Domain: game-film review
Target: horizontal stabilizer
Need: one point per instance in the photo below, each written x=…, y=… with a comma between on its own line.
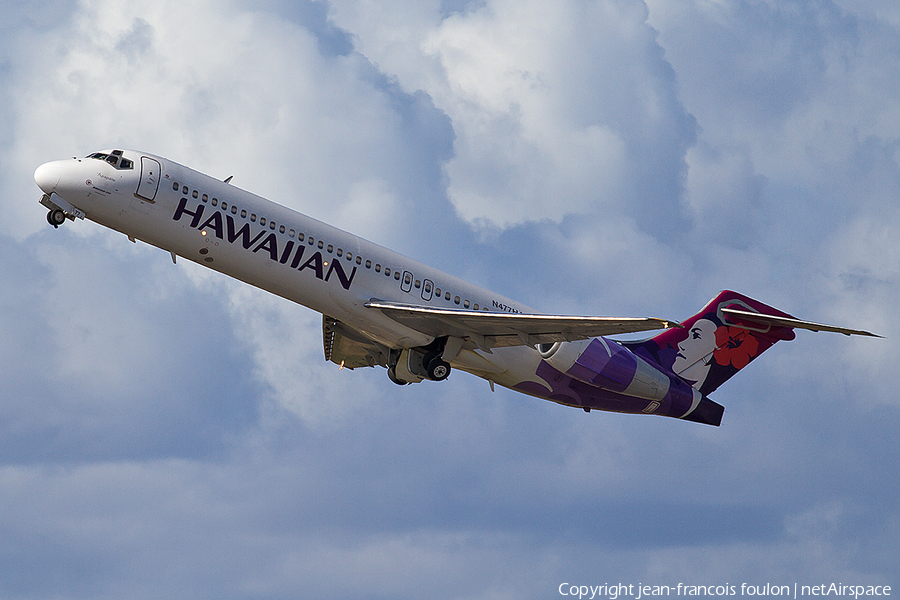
x=500, y=329
x=769, y=320
x=723, y=338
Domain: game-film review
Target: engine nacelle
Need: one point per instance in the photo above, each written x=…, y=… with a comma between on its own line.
x=605, y=364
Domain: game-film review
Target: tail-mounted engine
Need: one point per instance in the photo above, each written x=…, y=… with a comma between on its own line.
x=604, y=363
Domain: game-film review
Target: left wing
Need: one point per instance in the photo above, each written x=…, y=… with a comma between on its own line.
x=488, y=330
x=348, y=348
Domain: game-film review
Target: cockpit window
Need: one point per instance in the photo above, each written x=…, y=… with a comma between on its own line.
x=115, y=159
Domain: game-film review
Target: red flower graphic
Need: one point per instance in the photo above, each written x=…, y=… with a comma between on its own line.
x=735, y=347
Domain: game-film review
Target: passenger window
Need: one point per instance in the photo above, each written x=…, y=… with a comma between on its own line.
x=311, y=240
x=397, y=275
x=349, y=256
x=456, y=300
x=368, y=264
x=476, y=306
x=377, y=268
x=184, y=190
x=301, y=236
x=281, y=230
x=340, y=252
x=387, y=271
x=292, y=233
x=359, y=260
x=418, y=284
x=175, y=186
x=224, y=206
x=214, y=202
x=233, y=209
x=466, y=304
x=262, y=221
x=243, y=213
x=272, y=225
x=205, y=198
x=321, y=244
x=330, y=248
x=437, y=292
x=195, y=194
x=253, y=217
x=447, y=296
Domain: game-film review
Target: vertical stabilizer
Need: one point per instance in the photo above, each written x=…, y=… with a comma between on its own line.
x=713, y=346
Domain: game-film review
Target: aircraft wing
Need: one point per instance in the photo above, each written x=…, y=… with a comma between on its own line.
x=769, y=320
x=488, y=330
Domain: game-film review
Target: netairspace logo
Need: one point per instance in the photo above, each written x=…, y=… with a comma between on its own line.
x=795, y=591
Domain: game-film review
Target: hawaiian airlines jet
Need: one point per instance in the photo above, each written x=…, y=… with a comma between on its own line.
x=383, y=309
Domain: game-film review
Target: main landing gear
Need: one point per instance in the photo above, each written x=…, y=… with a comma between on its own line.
x=413, y=365
x=392, y=375
x=437, y=368
x=56, y=217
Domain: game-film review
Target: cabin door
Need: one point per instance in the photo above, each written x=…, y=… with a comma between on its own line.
x=150, y=172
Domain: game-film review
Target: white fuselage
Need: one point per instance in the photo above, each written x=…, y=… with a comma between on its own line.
x=272, y=247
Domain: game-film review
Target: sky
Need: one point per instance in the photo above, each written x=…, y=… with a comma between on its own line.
x=168, y=432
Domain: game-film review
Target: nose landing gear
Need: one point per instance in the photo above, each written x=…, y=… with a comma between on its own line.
x=60, y=210
x=56, y=217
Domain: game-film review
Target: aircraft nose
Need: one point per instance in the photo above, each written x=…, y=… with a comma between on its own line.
x=47, y=176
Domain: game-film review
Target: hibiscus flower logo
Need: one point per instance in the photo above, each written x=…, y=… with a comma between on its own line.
x=735, y=347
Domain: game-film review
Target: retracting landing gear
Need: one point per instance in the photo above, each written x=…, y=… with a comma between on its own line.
x=59, y=210
x=392, y=375
x=413, y=365
x=436, y=368
x=56, y=217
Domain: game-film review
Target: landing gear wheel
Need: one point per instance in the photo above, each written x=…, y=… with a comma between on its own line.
x=56, y=217
x=392, y=375
x=437, y=369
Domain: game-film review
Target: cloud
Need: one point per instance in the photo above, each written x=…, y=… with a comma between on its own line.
x=558, y=109
x=123, y=359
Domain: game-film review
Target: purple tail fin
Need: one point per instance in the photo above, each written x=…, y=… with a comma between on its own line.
x=713, y=346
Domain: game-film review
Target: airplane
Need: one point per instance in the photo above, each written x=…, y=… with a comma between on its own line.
x=380, y=308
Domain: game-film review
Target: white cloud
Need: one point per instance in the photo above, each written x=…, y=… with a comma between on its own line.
x=558, y=109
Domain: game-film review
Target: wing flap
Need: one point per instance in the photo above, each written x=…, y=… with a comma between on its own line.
x=347, y=348
x=488, y=330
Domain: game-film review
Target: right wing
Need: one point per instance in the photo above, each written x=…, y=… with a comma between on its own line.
x=486, y=330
